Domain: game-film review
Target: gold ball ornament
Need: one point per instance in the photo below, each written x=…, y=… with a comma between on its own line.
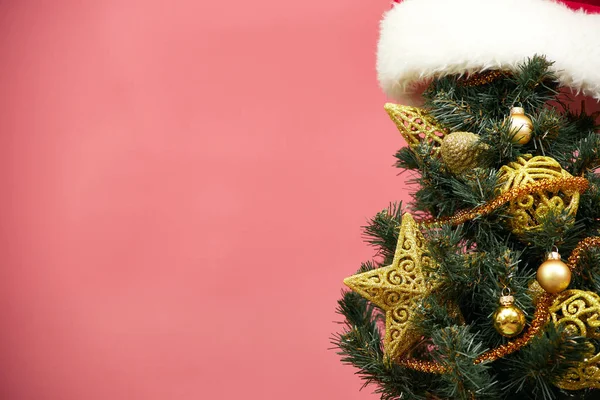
x=508, y=319
x=461, y=151
x=520, y=126
x=528, y=209
x=553, y=275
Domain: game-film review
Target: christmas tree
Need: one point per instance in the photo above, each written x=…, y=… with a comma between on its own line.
x=486, y=285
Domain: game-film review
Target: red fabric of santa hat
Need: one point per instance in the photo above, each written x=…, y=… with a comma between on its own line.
x=590, y=6
x=424, y=39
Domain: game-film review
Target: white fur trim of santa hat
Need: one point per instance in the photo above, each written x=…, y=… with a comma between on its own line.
x=424, y=39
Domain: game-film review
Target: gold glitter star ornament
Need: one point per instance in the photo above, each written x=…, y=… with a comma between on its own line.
x=398, y=288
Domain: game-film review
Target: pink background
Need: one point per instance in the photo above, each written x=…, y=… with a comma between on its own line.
x=184, y=185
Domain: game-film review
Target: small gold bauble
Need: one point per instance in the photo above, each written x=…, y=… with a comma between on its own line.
x=509, y=320
x=554, y=275
x=520, y=126
x=461, y=151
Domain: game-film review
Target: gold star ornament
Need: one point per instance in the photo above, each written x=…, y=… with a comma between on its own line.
x=399, y=288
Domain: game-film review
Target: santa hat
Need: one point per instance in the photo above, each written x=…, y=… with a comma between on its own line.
x=424, y=39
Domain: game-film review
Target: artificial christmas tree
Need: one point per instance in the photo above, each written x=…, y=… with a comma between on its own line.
x=469, y=296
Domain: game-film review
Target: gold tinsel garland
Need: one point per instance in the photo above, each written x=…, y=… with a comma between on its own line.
x=582, y=247
x=568, y=183
x=482, y=78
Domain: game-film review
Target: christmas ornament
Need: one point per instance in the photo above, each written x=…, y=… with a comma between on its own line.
x=520, y=126
x=461, y=151
x=416, y=126
x=398, y=288
x=553, y=275
x=508, y=319
x=527, y=210
x=578, y=312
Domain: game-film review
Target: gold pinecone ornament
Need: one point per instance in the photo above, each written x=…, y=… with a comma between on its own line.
x=461, y=151
x=530, y=208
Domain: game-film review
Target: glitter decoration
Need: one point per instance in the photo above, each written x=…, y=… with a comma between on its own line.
x=461, y=151
x=577, y=311
x=416, y=126
x=530, y=208
x=567, y=184
x=398, y=288
x=482, y=78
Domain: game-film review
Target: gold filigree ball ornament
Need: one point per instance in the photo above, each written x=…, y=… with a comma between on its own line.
x=553, y=275
x=508, y=319
x=461, y=151
x=528, y=209
x=578, y=312
x=520, y=126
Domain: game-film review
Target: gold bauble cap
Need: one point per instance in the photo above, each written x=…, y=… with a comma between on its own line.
x=517, y=111
x=554, y=255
